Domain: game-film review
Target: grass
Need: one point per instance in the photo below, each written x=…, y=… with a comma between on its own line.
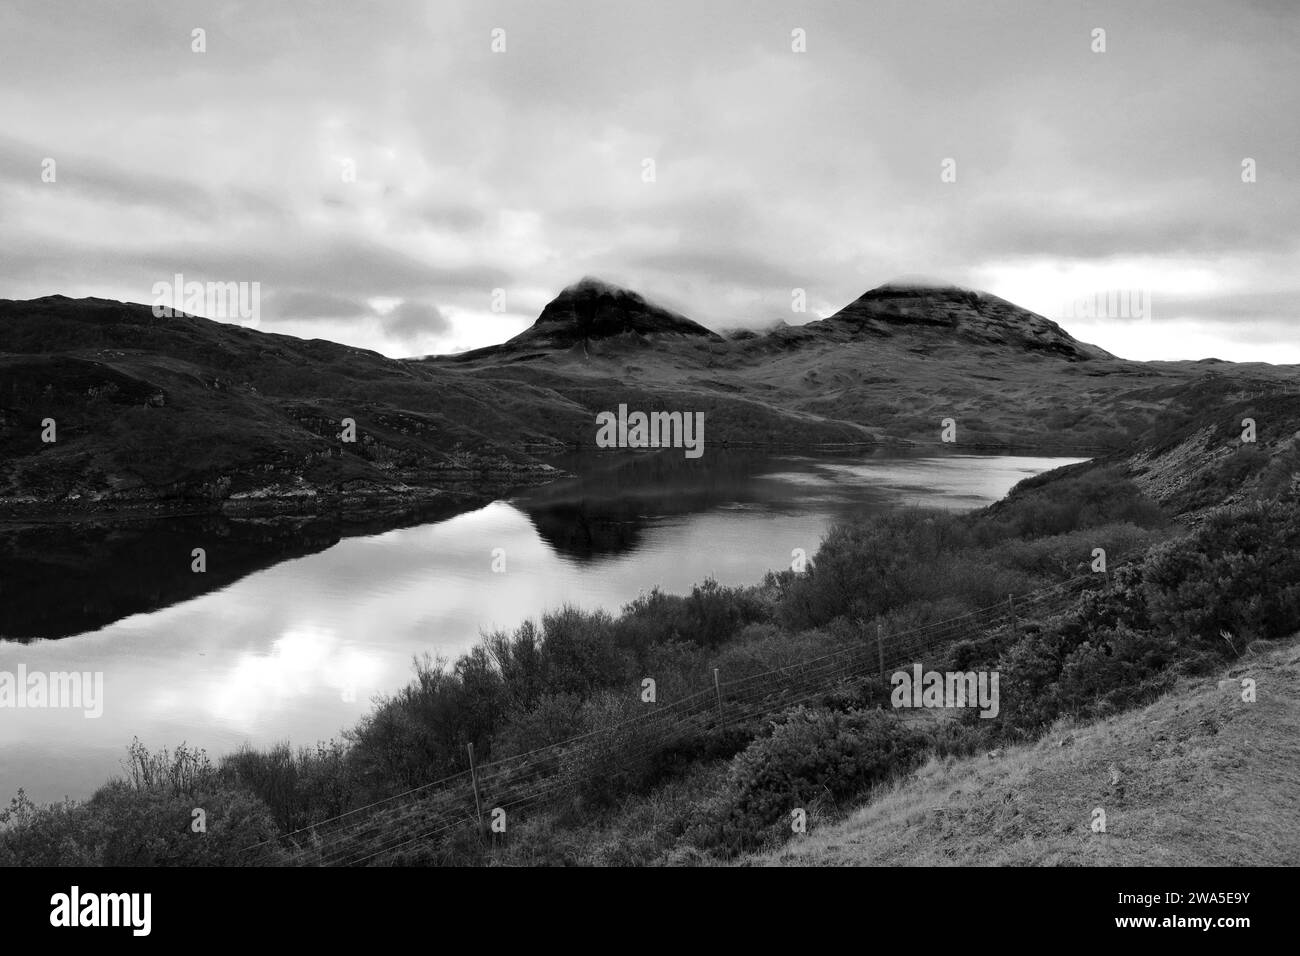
x=1198, y=777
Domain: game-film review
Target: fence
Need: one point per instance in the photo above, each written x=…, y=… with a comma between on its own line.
x=533, y=780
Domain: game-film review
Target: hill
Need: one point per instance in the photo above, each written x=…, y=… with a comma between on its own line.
x=961, y=315
x=1198, y=777
x=888, y=367
x=185, y=413
x=1194, y=457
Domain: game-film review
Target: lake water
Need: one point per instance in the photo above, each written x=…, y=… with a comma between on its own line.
x=296, y=626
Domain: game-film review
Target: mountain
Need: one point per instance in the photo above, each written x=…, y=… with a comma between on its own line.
x=959, y=315
x=153, y=412
x=891, y=366
x=591, y=310
x=184, y=412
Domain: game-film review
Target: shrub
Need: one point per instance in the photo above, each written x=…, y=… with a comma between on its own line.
x=810, y=755
x=1239, y=573
x=869, y=567
x=58, y=834
x=1116, y=669
x=298, y=788
x=1055, y=503
x=1188, y=605
x=710, y=615
x=126, y=825
x=181, y=772
x=555, y=717
x=155, y=827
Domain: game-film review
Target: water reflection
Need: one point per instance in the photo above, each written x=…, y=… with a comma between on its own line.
x=301, y=626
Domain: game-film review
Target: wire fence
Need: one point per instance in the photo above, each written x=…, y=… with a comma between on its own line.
x=532, y=781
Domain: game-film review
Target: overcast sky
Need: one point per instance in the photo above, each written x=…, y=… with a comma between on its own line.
x=1077, y=172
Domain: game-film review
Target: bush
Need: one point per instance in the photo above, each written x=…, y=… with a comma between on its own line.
x=809, y=756
x=420, y=733
x=1190, y=604
x=181, y=772
x=155, y=827
x=59, y=834
x=1067, y=555
x=1239, y=574
x=1056, y=503
x=127, y=825
x=710, y=615
x=871, y=566
x=1118, y=668
x=554, y=718
x=298, y=788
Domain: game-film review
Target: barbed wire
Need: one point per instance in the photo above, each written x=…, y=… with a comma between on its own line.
x=540, y=777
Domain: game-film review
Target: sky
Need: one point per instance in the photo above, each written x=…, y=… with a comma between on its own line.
x=423, y=177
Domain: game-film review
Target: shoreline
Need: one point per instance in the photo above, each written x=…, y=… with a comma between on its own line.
x=282, y=499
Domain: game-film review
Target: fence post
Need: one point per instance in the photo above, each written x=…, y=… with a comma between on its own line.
x=717, y=687
x=1015, y=625
x=880, y=648
x=473, y=776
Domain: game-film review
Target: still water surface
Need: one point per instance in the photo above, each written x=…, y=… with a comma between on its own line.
x=293, y=648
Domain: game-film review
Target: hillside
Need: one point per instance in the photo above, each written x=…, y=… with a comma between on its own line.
x=189, y=413
x=1193, y=459
x=186, y=413
x=892, y=365
x=1198, y=777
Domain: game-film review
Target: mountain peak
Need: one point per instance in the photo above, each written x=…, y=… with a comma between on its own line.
x=912, y=305
x=592, y=308
x=916, y=281
x=594, y=285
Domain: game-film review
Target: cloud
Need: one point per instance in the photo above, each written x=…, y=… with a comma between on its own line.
x=413, y=321
x=723, y=266
x=522, y=171
x=93, y=181
x=312, y=305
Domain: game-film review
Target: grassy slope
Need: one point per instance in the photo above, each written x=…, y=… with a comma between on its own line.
x=1199, y=777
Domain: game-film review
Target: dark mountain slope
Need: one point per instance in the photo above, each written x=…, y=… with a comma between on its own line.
x=188, y=412
x=592, y=310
